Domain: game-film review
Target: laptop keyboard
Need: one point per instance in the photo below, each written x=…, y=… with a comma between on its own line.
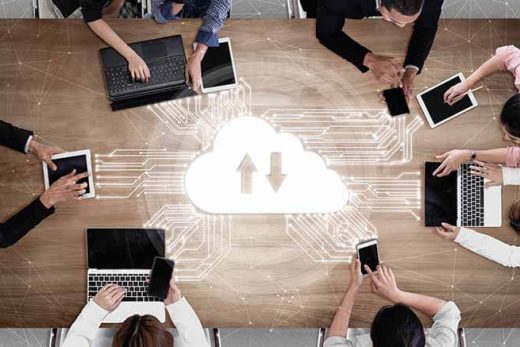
x=135, y=285
x=163, y=72
x=472, y=198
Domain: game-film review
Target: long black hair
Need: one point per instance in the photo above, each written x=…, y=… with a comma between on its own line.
x=397, y=326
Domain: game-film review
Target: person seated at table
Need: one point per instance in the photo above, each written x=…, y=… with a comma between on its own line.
x=506, y=58
x=213, y=11
x=330, y=20
x=16, y=227
x=485, y=245
x=486, y=160
x=395, y=325
x=93, y=13
x=138, y=331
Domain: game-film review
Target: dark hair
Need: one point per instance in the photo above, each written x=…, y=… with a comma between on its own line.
x=397, y=326
x=142, y=331
x=404, y=7
x=514, y=216
x=510, y=115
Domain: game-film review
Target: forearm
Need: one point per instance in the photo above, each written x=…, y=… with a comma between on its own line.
x=426, y=304
x=105, y=32
x=488, y=68
x=339, y=325
x=497, y=155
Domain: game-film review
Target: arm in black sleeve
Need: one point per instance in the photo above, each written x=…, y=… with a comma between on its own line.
x=329, y=31
x=423, y=34
x=21, y=223
x=13, y=137
x=91, y=10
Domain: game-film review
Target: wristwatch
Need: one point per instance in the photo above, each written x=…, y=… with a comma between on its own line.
x=473, y=155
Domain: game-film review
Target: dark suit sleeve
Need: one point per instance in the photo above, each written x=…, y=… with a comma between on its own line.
x=21, y=223
x=13, y=137
x=423, y=34
x=329, y=31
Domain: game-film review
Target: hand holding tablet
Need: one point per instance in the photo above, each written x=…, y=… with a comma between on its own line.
x=66, y=163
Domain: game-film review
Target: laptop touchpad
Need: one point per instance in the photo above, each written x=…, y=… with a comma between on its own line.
x=155, y=49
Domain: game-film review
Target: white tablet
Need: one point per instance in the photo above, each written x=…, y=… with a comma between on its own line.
x=66, y=162
x=436, y=110
x=218, y=68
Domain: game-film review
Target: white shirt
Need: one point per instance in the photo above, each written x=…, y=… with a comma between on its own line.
x=510, y=175
x=83, y=331
x=489, y=247
x=443, y=332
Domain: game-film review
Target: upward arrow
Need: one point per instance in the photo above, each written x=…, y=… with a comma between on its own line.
x=275, y=177
x=246, y=168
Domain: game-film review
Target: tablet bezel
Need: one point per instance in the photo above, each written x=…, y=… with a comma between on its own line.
x=86, y=153
x=227, y=86
x=427, y=113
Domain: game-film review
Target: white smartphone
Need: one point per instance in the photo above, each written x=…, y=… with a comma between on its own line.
x=368, y=254
x=66, y=162
x=218, y=67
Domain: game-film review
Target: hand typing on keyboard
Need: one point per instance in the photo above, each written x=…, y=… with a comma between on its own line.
x=138, y=69
x=490, y=171
x=110, y=296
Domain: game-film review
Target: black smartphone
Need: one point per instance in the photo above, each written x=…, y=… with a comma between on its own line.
x=396, y=101
x=368, y=254
x=162, y=271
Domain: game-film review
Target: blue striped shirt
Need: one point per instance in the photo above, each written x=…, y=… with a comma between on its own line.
x=213, y=12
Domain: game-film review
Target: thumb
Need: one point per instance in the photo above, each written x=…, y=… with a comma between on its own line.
x=491, y=184
x=442, y=156
x=448, y=226
x=50, y=163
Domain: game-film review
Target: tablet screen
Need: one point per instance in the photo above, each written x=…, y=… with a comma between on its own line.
x=437, y=108
x=217, y=67
x=66, y=165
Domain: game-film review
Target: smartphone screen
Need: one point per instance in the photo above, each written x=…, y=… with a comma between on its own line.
x=396, y=101
x=368, y=255
x=162, y=271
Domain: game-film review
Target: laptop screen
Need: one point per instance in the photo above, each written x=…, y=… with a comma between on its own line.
x=124, y=248
x=440, y=197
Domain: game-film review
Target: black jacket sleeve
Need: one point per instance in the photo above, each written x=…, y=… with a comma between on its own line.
x=21, y=223
x=13, y=137
x=92, y=10
x=329, y=31
x=423, y=35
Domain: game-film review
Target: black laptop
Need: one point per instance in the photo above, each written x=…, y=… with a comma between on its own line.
x=167, y=62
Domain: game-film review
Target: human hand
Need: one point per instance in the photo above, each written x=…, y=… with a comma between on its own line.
x=383, y=283
x=138, y=68
x=492, y=172
x=448, y=231
x=174, y=293
x=355, y=274
x=408, y=81
x=44, y=152
x=110, y=296
x=451, y=161
x=193, y=69
x=64, y=189
x=385, y=69
x=456, y=93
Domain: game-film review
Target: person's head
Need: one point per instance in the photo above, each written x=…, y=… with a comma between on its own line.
x=514, y=216
x=510, y=119
x=142, y=331
x=401, y=12
x=397, y=326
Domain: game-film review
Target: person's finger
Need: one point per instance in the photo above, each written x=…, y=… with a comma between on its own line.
x=136, y=74
x=106, y=287
x=70, y=174
x=132, y=74
x=479, y=163
x=373, y=286
x=372, y=275
x=445, y=172
x=116, y=295
x=442, y=156
x=113, y=291
x=50, y=163
x=80, y=176
x=147, y=73
x=447, y=94
x=478, y=173
x=492, y=184
x=78, y=193
x=440, y=168
x=391, y=273
x=385, y=271
x=118, y=302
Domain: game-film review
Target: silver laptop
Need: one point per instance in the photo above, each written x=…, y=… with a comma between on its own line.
x=125, y=257
x=461, y=199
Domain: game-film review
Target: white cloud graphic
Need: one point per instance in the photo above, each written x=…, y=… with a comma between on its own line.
x=236, y=177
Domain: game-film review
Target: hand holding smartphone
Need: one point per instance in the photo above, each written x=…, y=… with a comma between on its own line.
x=368, y=254
x=162, y=271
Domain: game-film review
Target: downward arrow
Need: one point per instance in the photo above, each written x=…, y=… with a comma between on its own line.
x=276, y=178
x=246, y=168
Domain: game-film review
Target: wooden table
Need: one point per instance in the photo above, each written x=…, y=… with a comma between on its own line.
x=51, y=82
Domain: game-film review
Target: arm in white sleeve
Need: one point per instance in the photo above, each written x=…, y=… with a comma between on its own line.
x=489, y=247
x=188, y=324
x=510, y=175
x=444, y=331
x=83, y=331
